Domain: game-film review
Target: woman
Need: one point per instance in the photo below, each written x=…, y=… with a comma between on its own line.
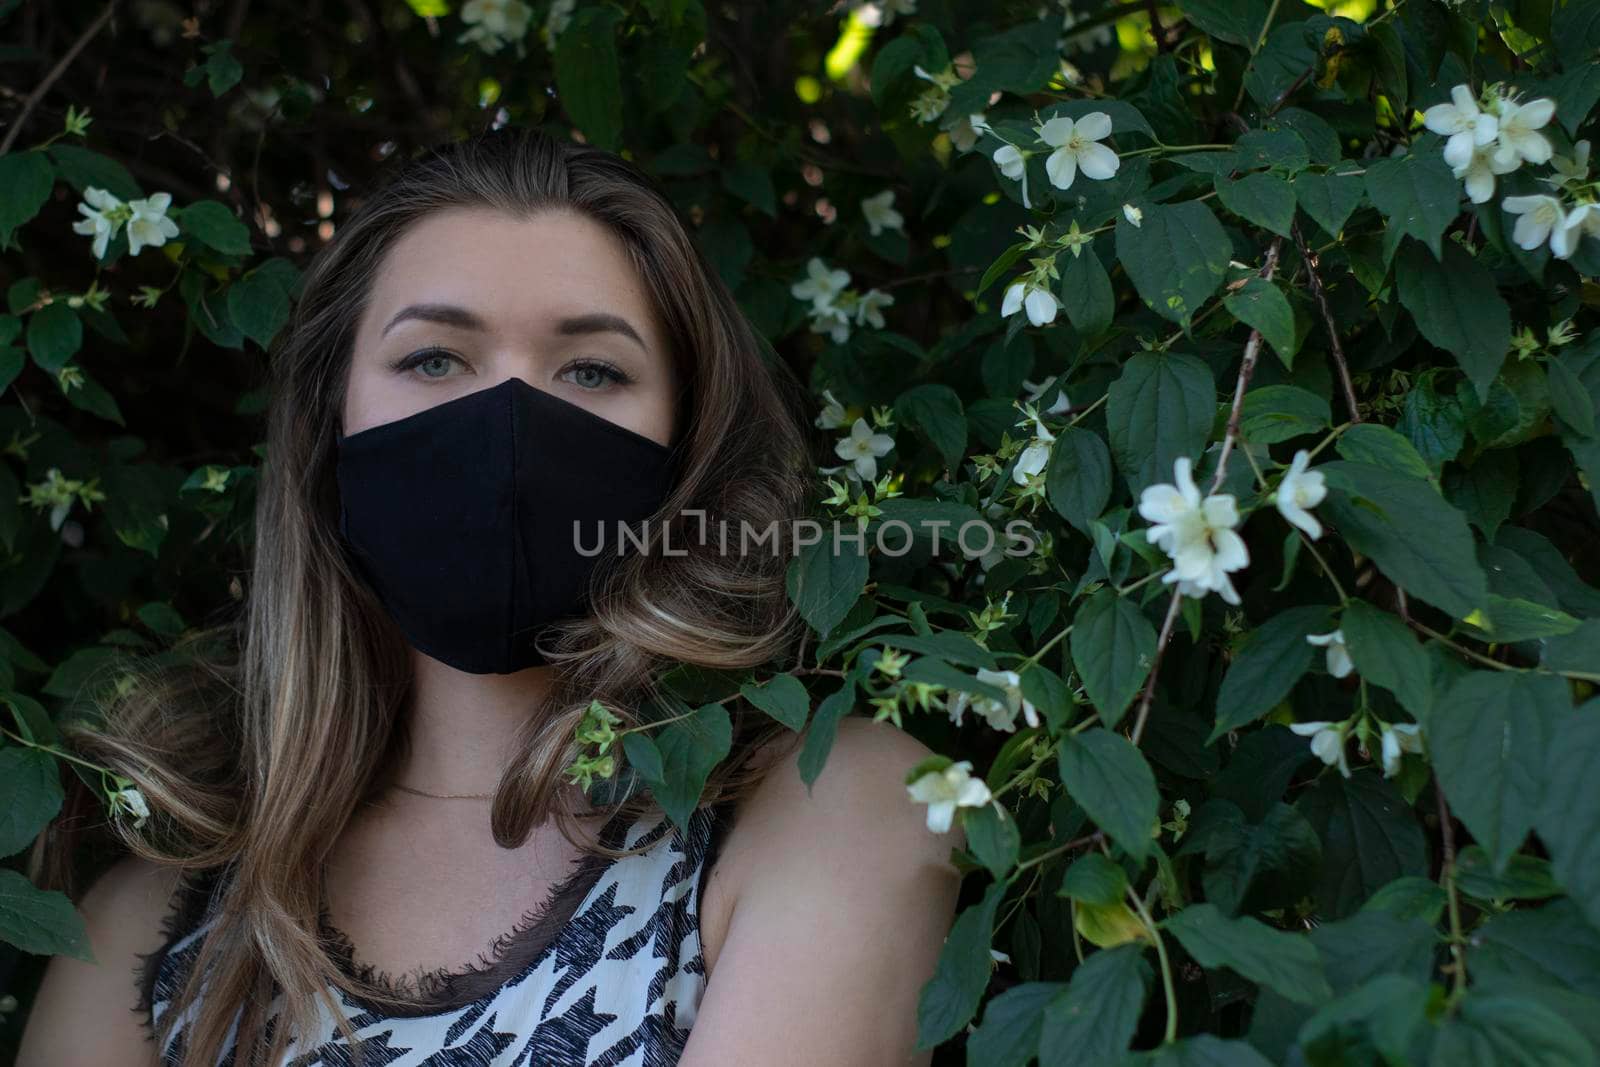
x=512, y=338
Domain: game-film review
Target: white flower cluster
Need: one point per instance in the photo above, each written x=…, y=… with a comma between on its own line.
x=861, y=448
x=1496, y=134
x=146, y=219
x=496, y=23
x=1076, y=147
x=835, y=308
x=1200, y=533
x=1000, y=714
x=1328, y=743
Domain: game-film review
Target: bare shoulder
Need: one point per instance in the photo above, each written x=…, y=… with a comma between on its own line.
x=86, y=1013
x=857, y=813
x=838, y=900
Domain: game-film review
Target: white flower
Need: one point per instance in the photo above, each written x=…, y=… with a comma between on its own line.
x=944, y=81
x=1327, y=742
x=821, y=285
x=494, y=22
x=945, y=791
x=1480, y=171
x=1516, y=137
x=1000, y=714
x=869, y=310
x=1036, y=456
x=129, y=799
x=102, y=217
x=1583, y=220
x=149, y=224
x=864, y=448
x=1399, y=737
x=832, y=320
x=878, y=13
x=966, y=130
x=1035, y=391
x=1132, y=214
x=1013, y=163
x=1041, y=303
x=1574, y=171
x=832, y=416
x=1339, y=662
x=1462, y=122
x=1541, y=218
x=1077, y=148
x=881, y=215
x=1299, y=490
x=1198, y=534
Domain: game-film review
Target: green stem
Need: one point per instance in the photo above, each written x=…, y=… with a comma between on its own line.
x=69, y=757
x=1167, y=988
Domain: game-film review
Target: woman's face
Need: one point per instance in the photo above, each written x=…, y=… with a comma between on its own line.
x=469, y=297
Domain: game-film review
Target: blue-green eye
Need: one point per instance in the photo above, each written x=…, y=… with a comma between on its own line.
x=594, y=374
x=436, y=358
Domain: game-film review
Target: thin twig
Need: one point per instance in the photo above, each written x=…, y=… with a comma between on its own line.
x=1447, y=832
x=1247, y=369
x=1334, y=345
x=55, y=73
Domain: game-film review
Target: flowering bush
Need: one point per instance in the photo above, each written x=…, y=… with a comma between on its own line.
x=1282, y=725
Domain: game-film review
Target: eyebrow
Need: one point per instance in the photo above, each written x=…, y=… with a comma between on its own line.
x=461, y=318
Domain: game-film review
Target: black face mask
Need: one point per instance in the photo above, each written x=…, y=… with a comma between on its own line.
x=464, y=517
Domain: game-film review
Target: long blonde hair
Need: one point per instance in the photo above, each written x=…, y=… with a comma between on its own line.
x=255, y=740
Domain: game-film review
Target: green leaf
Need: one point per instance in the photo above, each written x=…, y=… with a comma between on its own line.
x=936, y=411
x=1262, y=198
x=1387, y=654
x=1525, y=877
x=1012, y=1021
x=1113, y=645
x=1569, y=398
x=1176, y=257
x=1262, y=305
x=258, y=302
x=41, y=922
x=1078, y=478
x=27, y=178
x=1513, y=619
x=30, y=796
x=1369, y=835
x=824, y=728
x=1288, y=964
x=589, y=76
x=1569, y=817
x=1110, y=780
x=1419, y=541
x=1457, y=307
x=783, y=697
x=1369, y=944
x=213, y=223
x=84, y=168
x=1328, y=198
x=1094, y=879
x=689, y=749
x=752, y=183
x=1235, y=21
x=55, y=333
x=1275, y=413
x=1202, y=1050
x=1086, y=293
x=1548, y=946
x=1418, y=196
x=1160, y=408
x=1270, y=662
x=1279, y=64
x=824, y=581
x=1432, y=421
x=1094, y=1020
x=950, y=998
x=643, y=755
x=89, y=395
x=1487, y=737
x=1367, y=442
x=1509, y=1031
x=1239, y=854
x=992, y=836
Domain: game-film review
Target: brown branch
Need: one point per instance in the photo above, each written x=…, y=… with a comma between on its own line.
x=1247, y=369
x=1309, y=258
x=55, y=73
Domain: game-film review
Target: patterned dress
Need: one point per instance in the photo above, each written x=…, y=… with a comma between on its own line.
x=616, y=983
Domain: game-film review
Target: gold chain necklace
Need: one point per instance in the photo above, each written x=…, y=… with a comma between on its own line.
x=443, y=796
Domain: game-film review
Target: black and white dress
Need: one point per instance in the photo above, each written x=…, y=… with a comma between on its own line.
x=613, y=981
